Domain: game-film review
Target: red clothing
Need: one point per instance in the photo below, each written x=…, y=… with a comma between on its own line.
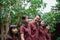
x=48, y=35
x=34, y=31
x=25, y=31
x=11, y=38
x=44, y=35
x=15, y=38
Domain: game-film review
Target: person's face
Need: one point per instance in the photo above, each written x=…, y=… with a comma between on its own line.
x=48, y=27
x=42, y=23
x=37, y=18
x=27, y=20
x=14, y=30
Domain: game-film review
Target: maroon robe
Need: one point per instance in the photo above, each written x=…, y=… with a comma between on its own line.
x=34, y=31
x=48, y=35
x=42, y=34
x=11, y=38
x=25, y=31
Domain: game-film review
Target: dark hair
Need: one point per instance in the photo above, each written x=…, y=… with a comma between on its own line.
x=45, y=26
x=38, y=15
x=24, y=17
x=40, y=22
x=24, y=23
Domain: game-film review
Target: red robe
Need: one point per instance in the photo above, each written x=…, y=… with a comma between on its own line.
x=25, y=31
x=34, y=31
x=48, y=35
x=44, y=34
x=11, y=38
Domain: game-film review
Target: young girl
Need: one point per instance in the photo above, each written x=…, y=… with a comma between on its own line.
x=25, y=28
x=13, y=33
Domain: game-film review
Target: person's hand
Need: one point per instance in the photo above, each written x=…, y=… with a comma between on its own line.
x=41, y=27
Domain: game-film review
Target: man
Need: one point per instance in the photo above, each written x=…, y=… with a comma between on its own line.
x=25, y=28
x=34, y=27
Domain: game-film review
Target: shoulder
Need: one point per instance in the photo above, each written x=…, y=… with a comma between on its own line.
x=30, y=23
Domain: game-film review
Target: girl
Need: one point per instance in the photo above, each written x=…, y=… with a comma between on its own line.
x=25, y=28
x=13, y=33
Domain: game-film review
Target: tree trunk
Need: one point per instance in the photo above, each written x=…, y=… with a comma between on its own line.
x=8, y=21
x=18, y=23
x=2, y=32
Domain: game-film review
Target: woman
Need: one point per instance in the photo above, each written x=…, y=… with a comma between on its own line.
x=48, y=34
x=13, y=33
x=42, y=31
x=25, y=28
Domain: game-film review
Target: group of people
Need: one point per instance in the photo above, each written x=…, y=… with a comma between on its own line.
x=37, y=29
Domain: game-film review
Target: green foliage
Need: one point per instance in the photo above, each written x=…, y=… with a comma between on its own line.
x=51, y=18
x=57, y=16
x=58, y=1
x=58, y=38
x=58, y=4
x=14, y=7
x=15, y=10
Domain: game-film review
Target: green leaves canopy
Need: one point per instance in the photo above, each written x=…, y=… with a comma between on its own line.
x=15, y=10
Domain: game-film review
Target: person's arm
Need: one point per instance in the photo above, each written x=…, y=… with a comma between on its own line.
x=8, y=37
x=22, y=37
x=22, y=32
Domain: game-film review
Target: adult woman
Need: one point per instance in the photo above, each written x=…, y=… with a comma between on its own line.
x=48, y=34
x=25, y=28
x=13, y=33
x=42, y=31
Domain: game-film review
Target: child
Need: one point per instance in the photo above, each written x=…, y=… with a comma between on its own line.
x=12, y=33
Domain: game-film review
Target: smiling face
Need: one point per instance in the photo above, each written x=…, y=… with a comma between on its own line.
x=14, y=30
x=27, y=20
x=42, y=23
x=48, y=27
x=37, y=18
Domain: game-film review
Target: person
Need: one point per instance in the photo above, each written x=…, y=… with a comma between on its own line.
x=25, y=28
x=12, y=33
x=41, y=31
x=34, y=27
x=48, y=34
